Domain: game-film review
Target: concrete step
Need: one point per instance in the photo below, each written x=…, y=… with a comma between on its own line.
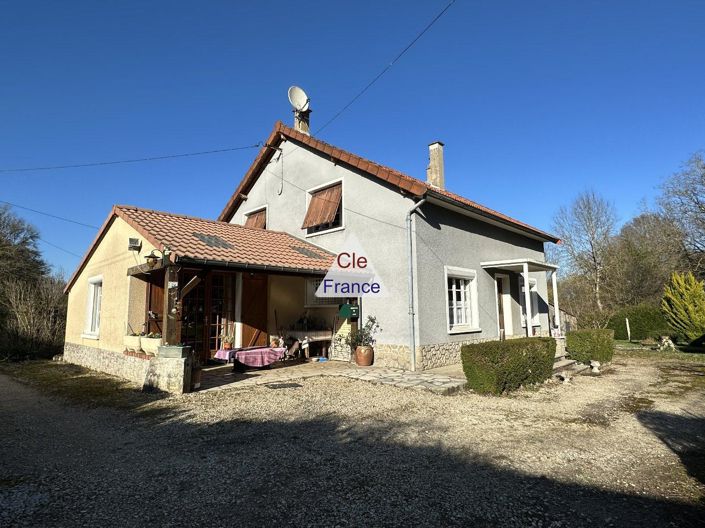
x=563, y=364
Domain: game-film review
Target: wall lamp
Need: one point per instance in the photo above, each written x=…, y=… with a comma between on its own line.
x=153, y=258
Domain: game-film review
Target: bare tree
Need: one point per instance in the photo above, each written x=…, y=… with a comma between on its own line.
x=683, y=201
x=586, y=228
x=19, y=255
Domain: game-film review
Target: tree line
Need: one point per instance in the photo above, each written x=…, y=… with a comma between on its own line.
x=606, y=270
x=32, y=303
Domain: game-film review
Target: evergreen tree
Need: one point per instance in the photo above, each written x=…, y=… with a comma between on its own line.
x=683, y=306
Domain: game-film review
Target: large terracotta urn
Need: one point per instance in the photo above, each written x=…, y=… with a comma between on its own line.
x=364, y=356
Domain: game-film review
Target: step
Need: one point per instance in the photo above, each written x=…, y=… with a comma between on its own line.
x=562, y=365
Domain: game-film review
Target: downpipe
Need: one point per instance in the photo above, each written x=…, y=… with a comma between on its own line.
x=412, y=313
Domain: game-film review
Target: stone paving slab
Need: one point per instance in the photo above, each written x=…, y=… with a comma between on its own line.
x=222, y=378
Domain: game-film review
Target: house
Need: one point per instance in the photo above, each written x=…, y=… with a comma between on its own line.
x=454, y=271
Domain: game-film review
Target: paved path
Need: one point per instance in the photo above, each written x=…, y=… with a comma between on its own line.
x=222, y=378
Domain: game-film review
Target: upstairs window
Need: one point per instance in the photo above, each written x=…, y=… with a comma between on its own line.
x=257, y=219
x=95, y=294
x=325, y=209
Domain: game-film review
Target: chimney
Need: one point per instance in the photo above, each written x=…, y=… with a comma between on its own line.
x=301, y=121
x=434, y=172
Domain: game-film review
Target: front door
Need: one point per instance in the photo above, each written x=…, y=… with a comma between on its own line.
x=254, y=309
x=504, y=306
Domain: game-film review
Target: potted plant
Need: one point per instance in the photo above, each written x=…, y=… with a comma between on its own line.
x=132, y=342
x=150, y=343
x=362, y=341
x=226, y=341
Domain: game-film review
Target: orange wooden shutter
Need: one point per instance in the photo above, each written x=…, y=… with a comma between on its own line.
x=323, y=206
x=258, y=219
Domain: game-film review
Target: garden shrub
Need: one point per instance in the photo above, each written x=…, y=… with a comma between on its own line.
x=683, y=306
x=501, y=366
x=645, y=321
x=594, y=344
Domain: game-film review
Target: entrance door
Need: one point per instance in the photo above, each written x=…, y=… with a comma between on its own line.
x=254, y=309
x=504, y=306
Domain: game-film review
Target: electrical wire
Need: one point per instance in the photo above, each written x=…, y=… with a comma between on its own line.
x=60, y=248
x=64, y=219
x=136, y=160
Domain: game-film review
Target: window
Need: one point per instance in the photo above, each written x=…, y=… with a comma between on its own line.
x=461, y=300
x=256, y=219
x=325, y=209
x=534, y=294
x=311, y=299
x=95, y=294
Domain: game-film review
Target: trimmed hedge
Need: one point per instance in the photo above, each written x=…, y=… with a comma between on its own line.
x=496, y=367
x=587, y=345
x=645, y=321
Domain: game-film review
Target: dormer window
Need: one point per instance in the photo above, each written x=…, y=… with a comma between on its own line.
x=325, y=209
x=257, y=219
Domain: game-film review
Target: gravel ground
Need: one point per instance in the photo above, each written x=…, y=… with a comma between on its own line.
x=623, y=449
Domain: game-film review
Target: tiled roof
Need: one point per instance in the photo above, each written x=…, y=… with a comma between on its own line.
x=403, y=181
x=197, y=240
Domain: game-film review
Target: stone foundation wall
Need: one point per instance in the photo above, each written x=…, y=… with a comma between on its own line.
x=443, y=354
x=167, y=374
x=393, y=356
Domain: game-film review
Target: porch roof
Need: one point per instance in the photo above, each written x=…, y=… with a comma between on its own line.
x=518, y=265
x=193, y=240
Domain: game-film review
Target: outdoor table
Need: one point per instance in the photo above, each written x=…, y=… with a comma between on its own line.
x=252, y=356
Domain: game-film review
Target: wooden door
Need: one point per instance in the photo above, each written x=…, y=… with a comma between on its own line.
x=254, y=309
x=155, y=302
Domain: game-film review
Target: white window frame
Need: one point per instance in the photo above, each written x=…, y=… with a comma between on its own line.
x=311, y=301
x=312, y=190
x=91, y=330
x=257, y=209
x=470, y=275
x=534, y=295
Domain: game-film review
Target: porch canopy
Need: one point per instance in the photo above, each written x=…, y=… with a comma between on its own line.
x=525, y=266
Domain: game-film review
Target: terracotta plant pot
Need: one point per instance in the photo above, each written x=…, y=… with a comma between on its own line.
x=364, y=356
x=227, y=346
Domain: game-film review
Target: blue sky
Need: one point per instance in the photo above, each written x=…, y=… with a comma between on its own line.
x=535, y=101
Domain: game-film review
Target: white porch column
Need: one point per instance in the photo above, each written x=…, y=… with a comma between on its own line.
x=556, y=308
x=527, y=300
x=238, y=310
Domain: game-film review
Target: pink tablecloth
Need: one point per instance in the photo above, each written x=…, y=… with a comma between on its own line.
x=252, y=357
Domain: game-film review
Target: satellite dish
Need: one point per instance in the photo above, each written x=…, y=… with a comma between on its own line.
x=298, y=99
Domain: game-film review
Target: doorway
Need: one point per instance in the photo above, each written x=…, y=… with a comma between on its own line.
x=505, y=325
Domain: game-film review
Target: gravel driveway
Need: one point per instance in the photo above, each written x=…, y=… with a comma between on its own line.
x=622, y=449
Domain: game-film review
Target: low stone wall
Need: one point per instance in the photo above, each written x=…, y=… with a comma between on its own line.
x=392, y=356
x=166, y=374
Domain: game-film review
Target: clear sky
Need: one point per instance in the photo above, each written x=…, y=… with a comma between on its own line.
x=535, y=101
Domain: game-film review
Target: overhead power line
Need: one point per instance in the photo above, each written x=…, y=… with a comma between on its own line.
x=136, y=160
x=62, y=218
x=388, y=67
x=60, y=248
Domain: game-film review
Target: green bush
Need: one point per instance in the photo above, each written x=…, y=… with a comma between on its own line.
x=645, y=321
x=593, y=344
x=683, y=306
x=501, y=366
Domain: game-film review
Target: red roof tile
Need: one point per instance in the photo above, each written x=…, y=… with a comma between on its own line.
x=197, y=240
x=398, y=179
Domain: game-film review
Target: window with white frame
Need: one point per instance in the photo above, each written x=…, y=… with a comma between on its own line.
x=95, y=294
x=311, y=299
x=461, y=300
x=534, y=296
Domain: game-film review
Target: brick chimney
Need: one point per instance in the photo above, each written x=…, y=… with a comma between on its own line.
x=434, y=172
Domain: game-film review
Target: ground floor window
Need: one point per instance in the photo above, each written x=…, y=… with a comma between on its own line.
x=534, y=296
x=461, y=299
x=95, y=294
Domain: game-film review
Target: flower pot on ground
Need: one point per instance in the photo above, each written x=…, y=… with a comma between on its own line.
x=361, y=342
x=151, y=343
x=364, y=356
x=132, y=342
x=226, y=341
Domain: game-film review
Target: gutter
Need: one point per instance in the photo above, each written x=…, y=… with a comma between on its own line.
x=244, y=266
x=410, y=256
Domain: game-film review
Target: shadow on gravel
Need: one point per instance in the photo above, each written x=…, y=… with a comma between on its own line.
x=684, y=435
x=318, y=472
